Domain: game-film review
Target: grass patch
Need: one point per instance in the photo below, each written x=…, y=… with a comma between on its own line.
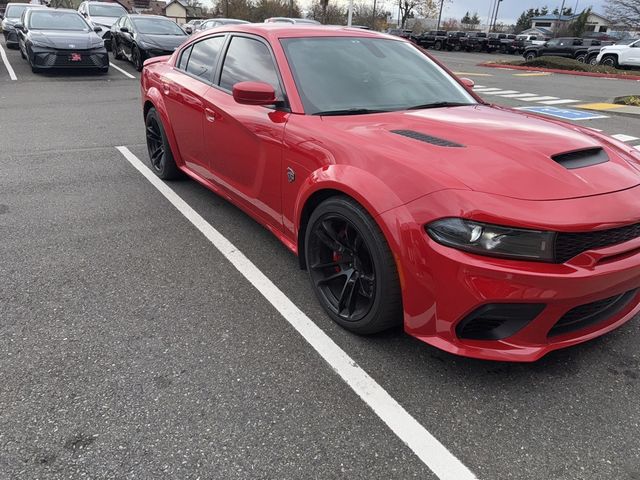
x=562, y=63
x=632, y=100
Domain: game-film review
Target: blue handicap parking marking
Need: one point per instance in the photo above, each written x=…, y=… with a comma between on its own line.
x=564, y=113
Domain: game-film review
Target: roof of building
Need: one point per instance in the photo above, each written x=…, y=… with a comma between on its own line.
x=552, y=17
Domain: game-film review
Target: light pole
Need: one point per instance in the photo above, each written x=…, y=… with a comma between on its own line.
x=373, y=20
x=555, y=34
x=440, y=14
x=495, y=18
x=350, y=16
x=490, y=15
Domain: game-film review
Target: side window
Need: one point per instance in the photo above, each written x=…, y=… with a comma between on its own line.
x=249, y=60
x=554, y=43
x=203, y=58
x=184, y=58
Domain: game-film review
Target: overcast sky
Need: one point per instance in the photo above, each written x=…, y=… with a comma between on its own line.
x=510, y=10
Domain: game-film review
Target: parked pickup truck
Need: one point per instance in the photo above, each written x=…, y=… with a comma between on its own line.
x=570, y=47
x=456, y=40
x=624, y=53
x=503, y=42
x=436, y=39
x=592, y=53
x=476, y=41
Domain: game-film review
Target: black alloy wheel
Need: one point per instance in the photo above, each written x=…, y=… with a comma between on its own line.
x=136, y=58
x=351, y=268
x=530, y=56
x=162, y=162
x=115, y=48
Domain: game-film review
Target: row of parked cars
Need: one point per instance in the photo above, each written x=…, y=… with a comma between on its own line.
x=587, y=50
x=472, y=41
x=594, y=52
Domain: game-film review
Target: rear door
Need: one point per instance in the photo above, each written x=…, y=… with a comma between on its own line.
x=184, y=88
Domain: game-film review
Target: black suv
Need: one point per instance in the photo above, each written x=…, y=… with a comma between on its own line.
x=570, y=47
x=456, y=40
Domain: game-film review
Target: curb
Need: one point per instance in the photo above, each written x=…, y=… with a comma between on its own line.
x=564, y=72
x=616, y=109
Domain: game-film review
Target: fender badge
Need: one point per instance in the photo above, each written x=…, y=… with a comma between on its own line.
x=291, y=175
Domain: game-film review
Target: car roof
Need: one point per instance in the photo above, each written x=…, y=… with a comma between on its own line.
x=32, y=5
x=293, y=30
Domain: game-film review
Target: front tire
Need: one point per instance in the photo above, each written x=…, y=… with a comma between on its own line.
x=160, y=155
x=530, y=56
x=609, y=61
x=136, y=58
x=582, y=58
x=593, y=60
x=351, y=267
x=116, y=49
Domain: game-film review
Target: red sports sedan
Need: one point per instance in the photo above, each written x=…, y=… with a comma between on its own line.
x=488, y=232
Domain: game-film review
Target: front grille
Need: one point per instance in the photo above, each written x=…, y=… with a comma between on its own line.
x=63, y=60
x=591, y=313
x=568, y=245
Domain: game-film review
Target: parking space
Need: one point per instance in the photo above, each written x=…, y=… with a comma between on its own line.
x=135, y=349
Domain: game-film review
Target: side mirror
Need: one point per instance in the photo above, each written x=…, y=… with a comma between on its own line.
x=97, y=29
x=18, y=26
x=467, y=82
x=124, y=29
x=188, y=29
x=254, y=93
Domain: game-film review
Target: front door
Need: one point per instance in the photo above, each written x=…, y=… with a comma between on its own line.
x=244, y=142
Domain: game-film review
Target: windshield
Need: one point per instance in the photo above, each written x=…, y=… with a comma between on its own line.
x=14, y=11
x=354, y=73
x=157, y=26
x=52, y=20
x=106, y=11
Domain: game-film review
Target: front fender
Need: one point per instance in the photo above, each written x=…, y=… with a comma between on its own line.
x=154, y=96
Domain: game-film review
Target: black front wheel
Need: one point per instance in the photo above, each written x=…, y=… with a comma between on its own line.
x=610, y=61
x=351, y=268
x=530, y=56
x=162, y=162
x=136, y=58
x=115, y=48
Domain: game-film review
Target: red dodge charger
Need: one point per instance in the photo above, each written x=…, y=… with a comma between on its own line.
x=489, y=232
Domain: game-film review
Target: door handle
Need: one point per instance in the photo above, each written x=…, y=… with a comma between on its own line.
x=210, y=115
x=165, y=89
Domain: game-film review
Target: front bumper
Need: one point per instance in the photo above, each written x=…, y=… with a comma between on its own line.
x=442, y=286
x=49, y=58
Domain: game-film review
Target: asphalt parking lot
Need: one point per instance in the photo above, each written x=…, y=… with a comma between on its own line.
x=132, y=348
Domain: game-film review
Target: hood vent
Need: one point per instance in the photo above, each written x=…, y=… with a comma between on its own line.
x=581, y=158
x=440, y=142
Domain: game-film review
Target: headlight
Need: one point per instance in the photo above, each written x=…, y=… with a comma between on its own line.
x=493, y=240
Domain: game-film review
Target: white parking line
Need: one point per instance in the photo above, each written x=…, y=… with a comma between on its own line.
x=522, y=95
x=537, y=99
x=624, y=138
x=486, y=89
x=124, y=72
x=559, y=102
x=428, y=449
x=12, y=74
x=502, y=92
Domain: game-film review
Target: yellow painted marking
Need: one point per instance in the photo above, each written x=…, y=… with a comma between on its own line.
x=600, y=106
x=535, y=74
x=474, y=74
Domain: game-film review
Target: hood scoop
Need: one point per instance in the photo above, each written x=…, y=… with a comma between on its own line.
x=423, y=137
x=581, y=158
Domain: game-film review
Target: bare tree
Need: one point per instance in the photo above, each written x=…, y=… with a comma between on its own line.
x=411, y=8
x=330, y=14
x=625, y=12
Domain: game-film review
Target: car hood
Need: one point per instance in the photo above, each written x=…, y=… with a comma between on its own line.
x=489, y=149
x=104, y=21
x=163, y=42
x=66, y=40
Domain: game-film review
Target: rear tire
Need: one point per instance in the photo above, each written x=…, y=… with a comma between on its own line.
x=609, y=61
x=160, y=155
x=351, y=268
x=437, y=45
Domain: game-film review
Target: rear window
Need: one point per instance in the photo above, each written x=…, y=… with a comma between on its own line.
x=15, y=11
x=203, y=58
